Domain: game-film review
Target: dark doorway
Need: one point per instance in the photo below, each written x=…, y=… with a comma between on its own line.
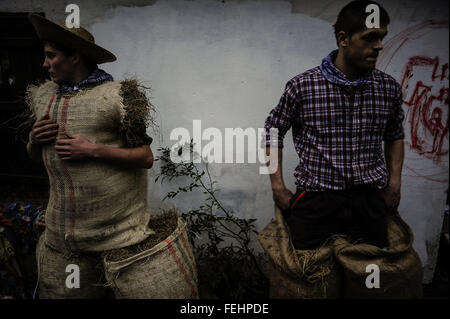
x=21, y=58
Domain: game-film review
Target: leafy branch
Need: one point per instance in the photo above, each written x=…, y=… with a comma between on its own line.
x=236, y=258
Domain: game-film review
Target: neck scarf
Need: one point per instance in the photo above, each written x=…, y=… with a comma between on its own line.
x=334, y=75
x=96, y=78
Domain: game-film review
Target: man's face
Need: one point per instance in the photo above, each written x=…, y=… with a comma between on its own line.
x=363, y=48
x=59, y=66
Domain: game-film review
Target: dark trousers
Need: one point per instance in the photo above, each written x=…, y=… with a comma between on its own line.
x=359, y=213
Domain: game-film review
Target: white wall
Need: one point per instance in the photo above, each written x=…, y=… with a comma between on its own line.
x=226, y=63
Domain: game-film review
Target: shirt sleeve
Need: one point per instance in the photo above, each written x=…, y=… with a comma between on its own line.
x=394, y=128
x=281, y=117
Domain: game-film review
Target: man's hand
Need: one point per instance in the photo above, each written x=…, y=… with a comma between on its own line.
x=43, y=131
x=394, y=153
x=282, y=197
x=391, y=195
x=76, y=147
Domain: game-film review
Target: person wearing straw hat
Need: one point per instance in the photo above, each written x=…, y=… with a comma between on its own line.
x=90, y=133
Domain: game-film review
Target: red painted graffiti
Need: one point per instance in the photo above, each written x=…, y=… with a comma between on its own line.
x=427, y=100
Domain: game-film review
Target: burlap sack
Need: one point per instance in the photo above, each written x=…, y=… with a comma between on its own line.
x=167, y=270
x=93, y=205
x=298, y=273
x=400, y=267
x=52, y=266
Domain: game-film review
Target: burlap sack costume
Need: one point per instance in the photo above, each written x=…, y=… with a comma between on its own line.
x=400, y=267
x=338, y=268
x=96, y=206
x=93, y=205
x=167, y=270
x=52, y=266
x=298, y=273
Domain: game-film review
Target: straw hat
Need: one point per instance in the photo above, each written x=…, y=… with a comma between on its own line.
x=75, y=38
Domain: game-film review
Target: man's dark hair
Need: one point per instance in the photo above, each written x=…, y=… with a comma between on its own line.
x=90, y=64
x=352, y=18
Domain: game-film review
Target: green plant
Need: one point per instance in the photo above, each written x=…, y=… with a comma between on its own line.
x=227, y=266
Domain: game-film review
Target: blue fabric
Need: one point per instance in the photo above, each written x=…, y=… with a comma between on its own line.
x=332, y=73
x=96, y=78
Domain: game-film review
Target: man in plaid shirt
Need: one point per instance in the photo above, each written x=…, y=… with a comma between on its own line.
x=340, y=112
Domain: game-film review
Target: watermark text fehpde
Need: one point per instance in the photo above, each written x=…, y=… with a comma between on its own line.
x=227, y=308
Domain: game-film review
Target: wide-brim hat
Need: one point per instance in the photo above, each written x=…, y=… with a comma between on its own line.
x=75, y=38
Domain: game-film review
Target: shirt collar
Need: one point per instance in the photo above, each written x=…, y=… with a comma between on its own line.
x=334, y=75
x=96, y=78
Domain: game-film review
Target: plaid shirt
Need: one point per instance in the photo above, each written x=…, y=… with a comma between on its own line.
x=338, y=126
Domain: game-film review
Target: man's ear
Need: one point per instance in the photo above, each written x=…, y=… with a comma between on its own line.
x=342, y=39
x=76, y=58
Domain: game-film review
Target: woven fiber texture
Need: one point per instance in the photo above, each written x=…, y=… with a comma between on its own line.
x=93, y=205
x=298, y=273
x=338, y=268
x=400, y=269
x=167, y=270
x=52, y=274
